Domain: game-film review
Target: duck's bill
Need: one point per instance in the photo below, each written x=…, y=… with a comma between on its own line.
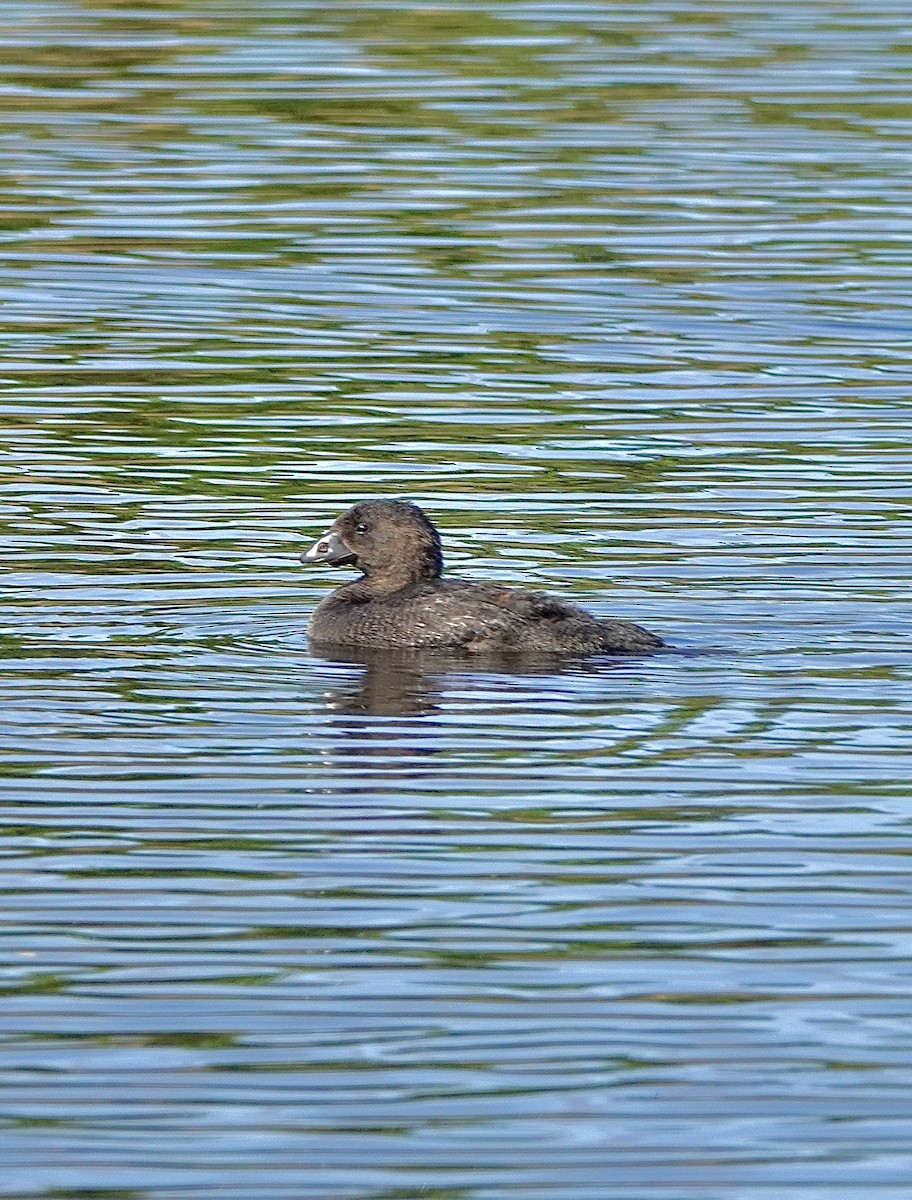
x=329, y=549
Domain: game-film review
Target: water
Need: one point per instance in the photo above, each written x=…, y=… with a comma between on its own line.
x=621, y=294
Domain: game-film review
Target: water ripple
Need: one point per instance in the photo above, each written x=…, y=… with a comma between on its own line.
x=621, y=296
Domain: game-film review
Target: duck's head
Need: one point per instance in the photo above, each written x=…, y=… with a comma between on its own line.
x=391, y=541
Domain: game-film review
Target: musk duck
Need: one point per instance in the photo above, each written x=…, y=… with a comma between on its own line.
x=401, y=601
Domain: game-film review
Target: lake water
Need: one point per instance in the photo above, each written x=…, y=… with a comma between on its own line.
x=621, y=294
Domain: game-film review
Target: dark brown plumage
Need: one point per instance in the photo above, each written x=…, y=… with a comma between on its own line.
x=400, y=599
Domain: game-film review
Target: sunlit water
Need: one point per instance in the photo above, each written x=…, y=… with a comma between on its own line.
x=621, y=294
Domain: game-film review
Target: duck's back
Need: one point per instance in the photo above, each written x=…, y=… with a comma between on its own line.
x=458, y=614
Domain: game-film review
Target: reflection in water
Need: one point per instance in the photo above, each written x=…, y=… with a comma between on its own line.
x=390, y=684
x=412, y=682
x=409, y=683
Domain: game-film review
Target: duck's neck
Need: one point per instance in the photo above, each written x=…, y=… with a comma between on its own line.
x=387, y=583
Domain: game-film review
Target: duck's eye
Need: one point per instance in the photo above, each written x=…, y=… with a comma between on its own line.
x=361, y=527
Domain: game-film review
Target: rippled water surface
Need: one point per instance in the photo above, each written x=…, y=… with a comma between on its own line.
x=621, y=294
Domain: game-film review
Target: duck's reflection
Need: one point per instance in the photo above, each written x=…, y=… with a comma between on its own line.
x=389, y=684
x=404, y=724
x=412, y=683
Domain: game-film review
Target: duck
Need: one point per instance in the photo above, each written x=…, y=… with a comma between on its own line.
x=401, y=599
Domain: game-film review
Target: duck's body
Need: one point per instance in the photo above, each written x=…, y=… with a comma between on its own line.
x=457, y=614
x=401, y=601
